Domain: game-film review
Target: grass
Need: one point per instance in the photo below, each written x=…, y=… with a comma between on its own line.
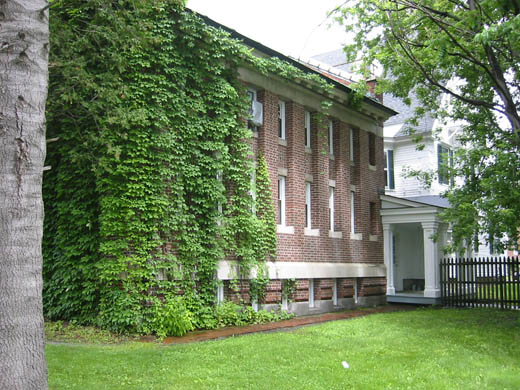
x=422, y=349
x=69, y=332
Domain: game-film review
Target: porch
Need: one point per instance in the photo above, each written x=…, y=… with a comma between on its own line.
x=413, y=240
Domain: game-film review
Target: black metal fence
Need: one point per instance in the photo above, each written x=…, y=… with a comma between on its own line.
x=482, y=282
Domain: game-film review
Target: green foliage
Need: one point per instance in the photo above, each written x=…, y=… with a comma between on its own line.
x=232, y=314
x=468, y=51
x=288, y=288
x=171, y=318
x=148, y=108
x=71, y=332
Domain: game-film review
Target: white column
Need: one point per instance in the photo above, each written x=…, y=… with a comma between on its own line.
x=388, y=232
x=432, y=287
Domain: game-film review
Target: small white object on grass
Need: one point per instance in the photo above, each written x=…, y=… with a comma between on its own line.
x=345, y=364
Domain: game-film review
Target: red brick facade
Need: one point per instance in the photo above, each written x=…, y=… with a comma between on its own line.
x=298, y=164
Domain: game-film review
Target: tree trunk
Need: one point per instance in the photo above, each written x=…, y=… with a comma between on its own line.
x=24, y=43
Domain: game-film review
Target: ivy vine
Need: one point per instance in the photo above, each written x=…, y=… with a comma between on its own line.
x=150, y=181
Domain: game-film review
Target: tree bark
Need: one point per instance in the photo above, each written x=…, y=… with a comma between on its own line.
x=24, y=43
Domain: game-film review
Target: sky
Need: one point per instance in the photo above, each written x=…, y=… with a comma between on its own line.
x=298, y=28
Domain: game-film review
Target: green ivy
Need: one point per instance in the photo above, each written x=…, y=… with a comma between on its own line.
x=150, y=116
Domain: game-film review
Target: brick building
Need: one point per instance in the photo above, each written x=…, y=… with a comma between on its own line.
x=327, y=175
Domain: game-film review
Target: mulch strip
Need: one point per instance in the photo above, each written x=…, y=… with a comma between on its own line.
x=204, y=335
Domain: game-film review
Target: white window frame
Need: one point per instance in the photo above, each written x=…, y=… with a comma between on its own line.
x=331, y=208
x=389, y=169
x=352, y=212
x=307, y=129
x=308, y=203
x=253, y=96
x=281, y=120
x=281, y=201
x=331, y=137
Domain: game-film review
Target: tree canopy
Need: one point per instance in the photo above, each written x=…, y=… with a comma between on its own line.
x=468, y=51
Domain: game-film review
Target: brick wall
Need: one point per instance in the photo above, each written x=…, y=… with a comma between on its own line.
x=293, y=158
x=290, y=158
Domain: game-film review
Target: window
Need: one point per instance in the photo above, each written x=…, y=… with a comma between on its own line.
x=331, y=138
x=389, y=169
x=351, y=144
x=371, y=148
x=307, y=129
x=281, y=119
x=252, y=98
x=331, y=209
x=352, y=213
x=308, y=205
x=444, y=163
x=281, y=200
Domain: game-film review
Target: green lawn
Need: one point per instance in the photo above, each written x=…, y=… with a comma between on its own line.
x=422, y=349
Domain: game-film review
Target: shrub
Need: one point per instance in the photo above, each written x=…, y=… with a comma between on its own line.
x=171, y=318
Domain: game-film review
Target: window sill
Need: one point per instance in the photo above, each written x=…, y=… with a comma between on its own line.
x=332, y=157
x=356, y=236
x=311, y=232
x=333, y=234
x=352, y=163
x=308, y=150
x=284, y=229
x=255, y=134
x=282, y=142
x=373, y=237
x=372, y=167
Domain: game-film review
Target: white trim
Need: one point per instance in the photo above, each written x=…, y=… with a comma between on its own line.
x=282, y=229
x=311, y=232
x=331, y=209
x=282, y=142
x=309, y=178
x=334, y=234
x=356, y=236
x=373, y=237
x=285, y=299
x=282, y=171
x=228, y=270
x=220, y=294
x=308, y=204
x=307, y=127
x=356, y=291
x=311, y=292
x=332, y=183
x=352, y=213
x=335, y=292
x=281, y=200
x=372, y=167
x=281, y=117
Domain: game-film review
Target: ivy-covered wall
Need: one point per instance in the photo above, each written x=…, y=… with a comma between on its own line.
x=151, y=170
